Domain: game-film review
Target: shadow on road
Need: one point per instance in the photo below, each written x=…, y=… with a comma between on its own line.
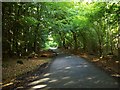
x=69, y=71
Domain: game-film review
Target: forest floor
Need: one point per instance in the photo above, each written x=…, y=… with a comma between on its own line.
x=13, y=69
x=109, y=64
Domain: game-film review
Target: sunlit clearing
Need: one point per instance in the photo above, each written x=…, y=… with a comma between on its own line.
x=39, y=81
x=39, y=86
x=67, y=67
x=50, y=43
x=53, y=80
x=47, y=74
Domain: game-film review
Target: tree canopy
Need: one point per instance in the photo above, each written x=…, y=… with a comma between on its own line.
x=88, y=27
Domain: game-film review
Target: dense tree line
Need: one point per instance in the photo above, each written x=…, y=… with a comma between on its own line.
x=88, y=27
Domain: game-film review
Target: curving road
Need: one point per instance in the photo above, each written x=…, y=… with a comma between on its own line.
x=69, y=71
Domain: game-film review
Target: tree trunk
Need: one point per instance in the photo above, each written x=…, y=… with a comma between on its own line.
x=75, y=40
x=84, y=42
x=117, y=12
x=119, y=38
x=39, y=11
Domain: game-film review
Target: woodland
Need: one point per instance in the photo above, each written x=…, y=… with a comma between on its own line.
x=88, y=29
x=91, y=27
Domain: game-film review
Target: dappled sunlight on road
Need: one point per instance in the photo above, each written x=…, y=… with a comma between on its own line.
x=39, y=86
x=67, y=67
x=69, y=83
x=8, y=84
x=66, y=77
x=69, y=80
x=89, y=78
x=47, y=74
x=39, y=81
x=68, y=57
x=72, y=72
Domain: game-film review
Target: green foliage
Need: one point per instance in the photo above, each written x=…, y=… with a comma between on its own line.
x=30, y=21
x=90, y=27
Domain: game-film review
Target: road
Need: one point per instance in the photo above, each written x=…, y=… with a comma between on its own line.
x=70, y=71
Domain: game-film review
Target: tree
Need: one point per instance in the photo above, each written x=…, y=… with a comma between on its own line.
x=87, y=27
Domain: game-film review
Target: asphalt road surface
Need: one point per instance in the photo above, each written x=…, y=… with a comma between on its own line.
x=70, y=71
